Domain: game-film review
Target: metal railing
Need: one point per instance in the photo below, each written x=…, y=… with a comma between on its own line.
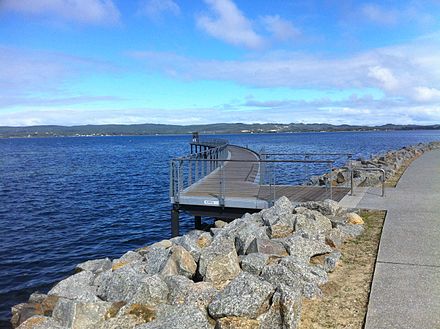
x=231, y=175
x=311, y=155
x=382, y=171
x=210, y=142
x=188, y=170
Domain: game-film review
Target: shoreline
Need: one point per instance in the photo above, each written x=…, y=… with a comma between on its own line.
x=220, y=133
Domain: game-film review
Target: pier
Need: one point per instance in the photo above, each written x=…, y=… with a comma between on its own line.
x=225, y=181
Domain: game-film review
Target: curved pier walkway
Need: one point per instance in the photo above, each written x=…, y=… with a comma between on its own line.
x=406, y=282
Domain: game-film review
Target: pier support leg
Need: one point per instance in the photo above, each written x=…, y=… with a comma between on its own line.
x=174, y=222
x=197, y=222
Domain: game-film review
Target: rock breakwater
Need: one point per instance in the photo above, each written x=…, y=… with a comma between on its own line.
x=253, y=272
x=391, y=162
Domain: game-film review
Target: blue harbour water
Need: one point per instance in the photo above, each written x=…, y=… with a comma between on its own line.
x=67, y=200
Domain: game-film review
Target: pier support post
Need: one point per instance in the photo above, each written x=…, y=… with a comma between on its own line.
x=174, y=221
x=197, y=222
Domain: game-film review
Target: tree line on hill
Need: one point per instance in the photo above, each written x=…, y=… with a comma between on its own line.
x=163, y=129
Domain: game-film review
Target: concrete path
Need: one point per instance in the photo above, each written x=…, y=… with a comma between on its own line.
x=406, y=283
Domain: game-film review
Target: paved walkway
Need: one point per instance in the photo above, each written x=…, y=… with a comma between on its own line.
x=406, y=283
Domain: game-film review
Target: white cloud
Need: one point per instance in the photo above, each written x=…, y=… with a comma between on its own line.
x=336, y=112
x=83, y=11
x=280, y=28
x=27, y=72
x=394, y=70
x=380, y=15
x=416, y=13
x=385, y=77
x=425, y=94
x=229, y=24
x=154, y=9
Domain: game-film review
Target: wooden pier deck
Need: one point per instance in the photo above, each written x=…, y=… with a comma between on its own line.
x=235, y=188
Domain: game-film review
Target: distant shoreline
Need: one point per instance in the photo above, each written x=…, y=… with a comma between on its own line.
x=176, y=130
x=209, y=133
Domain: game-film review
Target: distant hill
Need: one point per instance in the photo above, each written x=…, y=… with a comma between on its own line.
x=217, y=128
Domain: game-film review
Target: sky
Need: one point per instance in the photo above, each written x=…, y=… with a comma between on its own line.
x=74, y=62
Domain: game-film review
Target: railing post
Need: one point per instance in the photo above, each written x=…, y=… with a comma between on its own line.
x=222, y=186
x=196, y=178
x=331, y=181
x=171, y=179
x=307, y=157
x=351, y=177
x=180, y=188
x=383, y=182
x=189, y=172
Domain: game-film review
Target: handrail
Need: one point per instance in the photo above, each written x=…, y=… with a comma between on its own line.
x=183, y=170
x=307, y=154
x=259, y=160
x=202, y=153
x=215, y=141
x=370, y=169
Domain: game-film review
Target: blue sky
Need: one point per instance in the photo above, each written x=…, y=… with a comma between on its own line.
x=75, y=62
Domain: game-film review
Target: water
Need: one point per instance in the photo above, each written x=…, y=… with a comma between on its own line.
x=67, y=200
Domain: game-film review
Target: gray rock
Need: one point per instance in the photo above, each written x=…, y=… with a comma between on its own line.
x=37, y=297
x=245, y=235
x=21, y=312
x=278, y=275
x=119, y=322
x=163, y=244
x=178, y=285
x=246, y=296
x=331, y=260
x=338, y=220
x=128, y=257
x=340, y=178
x=95, y=266
x=305, y=248
x=266, y=246
x=220, y=224
x=312, y=224
x=285, y=310
x=40, y=322
x=283, y=227
x=290, y=303
x=281, y=210
x=178, y=317
x=180, y=263
x=184, y=291
x=79, y=315
x=234, y=322
x=151, y=290
x=194, y=241
x=335, y=238
x=230, y=230
x=326, y=207
x=219, y=262
x=200, y=294
x=38, y=304
x=308, y=273
x=78, y=287
x=121, y=284
x=350, y=230
x=303, y=277
x=254, y=263
x=214, y=231
x=273, y=317
x=155, y=259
